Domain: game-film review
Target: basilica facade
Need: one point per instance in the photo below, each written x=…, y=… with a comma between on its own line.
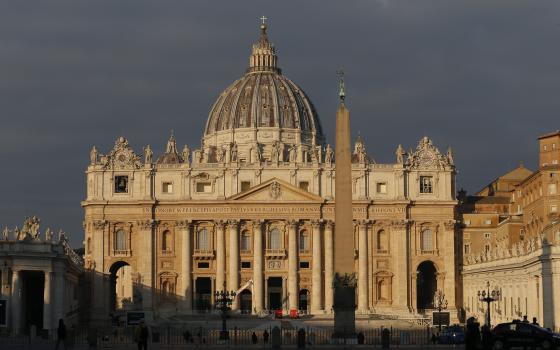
x=252, y=211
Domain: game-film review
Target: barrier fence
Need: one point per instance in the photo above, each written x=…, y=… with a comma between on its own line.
x=201, y=336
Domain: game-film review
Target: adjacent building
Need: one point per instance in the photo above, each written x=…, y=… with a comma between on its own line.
x=511, y=239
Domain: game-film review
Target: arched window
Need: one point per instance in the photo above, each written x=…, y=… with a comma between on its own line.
x=166, y=241
x=274, y=239
x=245, y=241
x=202, y=240
x=120, y=240
x=426, y=240
x=382, y=242
x=303, y=241
x=89, y=245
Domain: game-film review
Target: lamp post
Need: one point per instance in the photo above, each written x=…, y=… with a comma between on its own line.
x=223, y=300
x=440, y=303
x=488, y=297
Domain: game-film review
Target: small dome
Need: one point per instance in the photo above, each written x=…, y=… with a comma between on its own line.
x=265, y=100
x=170, y=156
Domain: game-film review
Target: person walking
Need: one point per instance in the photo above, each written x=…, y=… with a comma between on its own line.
x=61, y=335
x=265, y=336
x=142, y=335
x=254, y=338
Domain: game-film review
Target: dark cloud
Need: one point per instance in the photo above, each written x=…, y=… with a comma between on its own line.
x=481, y=76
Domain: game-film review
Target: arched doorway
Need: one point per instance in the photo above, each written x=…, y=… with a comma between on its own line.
x=245, y=301
x=121, y=285
x=426, y=285
x=303, y=299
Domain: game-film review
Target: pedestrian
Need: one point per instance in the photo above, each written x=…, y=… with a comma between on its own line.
x=254, y=338
x=265, y=336
x=535, y=321
x=142, y=335
x=525, y=320
x=61, y=334
x=434, y=339
x=301, y=339
x=486, y=338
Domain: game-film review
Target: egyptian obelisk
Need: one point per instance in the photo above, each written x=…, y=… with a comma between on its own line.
x=344, y=279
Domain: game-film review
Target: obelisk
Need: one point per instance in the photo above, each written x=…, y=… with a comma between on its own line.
x=344, y=279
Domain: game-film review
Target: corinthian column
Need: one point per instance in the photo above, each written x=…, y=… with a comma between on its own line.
x=185, y=228
x=329, y=266
x=47, y=302
x=220, y=256
x=362, y=267
x=292, y=266
x=16, y=302
x=257, y=267
x=233, y=260
x=317, y=269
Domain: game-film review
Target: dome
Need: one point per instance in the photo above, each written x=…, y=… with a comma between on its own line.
x=265, y=101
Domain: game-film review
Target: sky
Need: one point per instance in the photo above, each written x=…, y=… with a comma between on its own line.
x=480, y=76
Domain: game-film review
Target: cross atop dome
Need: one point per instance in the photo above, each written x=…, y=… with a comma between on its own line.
x=263, y=57
x=263, y=19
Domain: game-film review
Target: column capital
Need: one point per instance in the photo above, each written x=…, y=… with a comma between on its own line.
x=99, y=224
x=257, y=223
x=292, y=223
x=400, y=224
x=219, y=224
x=329, y=224
x=146, y=224
x=363, y=223
x=183, y=224
x=232, y=223
x=316, y=224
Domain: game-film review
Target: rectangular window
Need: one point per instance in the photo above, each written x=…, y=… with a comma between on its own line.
x=245, y=264
x=203, y=187
x=304, y=185
x=167, y=187
x=553, y=208
x=487, y=235
x=552, y=189
x=467, y=222
x=555, y=161
x=304, y=264
x=245, y=185
x=553, y=146
x=203, y=265
x=487, y=248
x=467, y=249
x=488, y=222
x=544, y=148
x=381, y=187
x=426, y=184
x=121, y=184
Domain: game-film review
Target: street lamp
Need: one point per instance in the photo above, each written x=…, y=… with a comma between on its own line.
x=440, y=303
x=223, y=300
x=488, y=297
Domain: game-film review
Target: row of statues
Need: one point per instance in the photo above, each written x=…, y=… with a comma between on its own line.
x=30, y=232
x=517, y=249
x=279, y=152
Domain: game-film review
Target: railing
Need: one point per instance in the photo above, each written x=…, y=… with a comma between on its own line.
x=382, y=251
x=121, y=252
x=203, y=253
x=201, y=337
x=275, y=252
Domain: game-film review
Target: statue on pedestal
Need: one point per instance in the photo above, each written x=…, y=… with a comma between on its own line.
x=148, y=154
x=328, y=155
x=186, y=154
x=93, y=156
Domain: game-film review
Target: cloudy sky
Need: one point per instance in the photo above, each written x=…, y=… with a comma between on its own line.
x=480, y=76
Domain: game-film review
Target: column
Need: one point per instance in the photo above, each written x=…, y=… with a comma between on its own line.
x=398, y=248
x=329, y=266
x=257, y=267
x=362, y=267
x=146, y=265
x=58, y=311
x=317, y=271
x=186, y=267
x=16, y=302
x=47, y=302
x=234, y=260
x=220, y=256
x=292, y=266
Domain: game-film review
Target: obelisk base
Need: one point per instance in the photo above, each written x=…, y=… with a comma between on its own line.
x=344, y=310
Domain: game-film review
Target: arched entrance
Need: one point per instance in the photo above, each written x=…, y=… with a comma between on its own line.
x=121, y=285
x=245, y=301
x=303, y=299
x=426, y=285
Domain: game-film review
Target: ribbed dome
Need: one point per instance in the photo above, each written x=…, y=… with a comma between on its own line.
x=264, y=99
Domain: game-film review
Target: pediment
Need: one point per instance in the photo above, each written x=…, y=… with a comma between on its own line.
x=275, y=190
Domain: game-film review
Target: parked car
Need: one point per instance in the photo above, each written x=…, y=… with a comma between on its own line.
x=452, y=335
x=520, y=334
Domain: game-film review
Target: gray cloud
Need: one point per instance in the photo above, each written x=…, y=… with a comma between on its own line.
x=481, y=76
